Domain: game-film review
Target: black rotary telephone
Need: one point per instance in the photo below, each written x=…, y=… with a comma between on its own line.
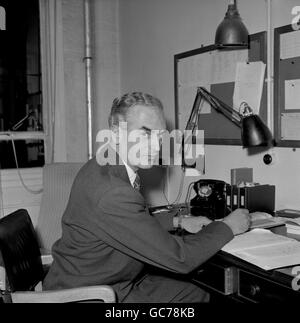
x=211, y=199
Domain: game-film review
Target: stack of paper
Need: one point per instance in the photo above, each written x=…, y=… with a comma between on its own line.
x=292, y=225
x=264, y=220
x=265, y=249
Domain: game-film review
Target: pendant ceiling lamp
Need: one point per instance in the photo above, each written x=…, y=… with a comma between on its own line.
x=232, y=33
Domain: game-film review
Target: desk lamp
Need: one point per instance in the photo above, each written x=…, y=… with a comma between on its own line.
x=254, y=132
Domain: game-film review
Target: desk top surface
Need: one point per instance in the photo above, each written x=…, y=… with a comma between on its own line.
x=285, y=273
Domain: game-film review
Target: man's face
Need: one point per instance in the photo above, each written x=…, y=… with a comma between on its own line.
x=145, y=126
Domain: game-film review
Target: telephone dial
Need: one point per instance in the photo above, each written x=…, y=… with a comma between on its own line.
x=210, y=199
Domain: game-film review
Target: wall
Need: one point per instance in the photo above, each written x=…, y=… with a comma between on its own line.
x=105, y=70
x=152, y=32
x=74, y=80
x=106, y=62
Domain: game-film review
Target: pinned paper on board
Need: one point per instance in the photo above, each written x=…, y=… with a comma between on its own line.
x=248, y=85
x=290, y=45
x=292, y=94
x=290, y=126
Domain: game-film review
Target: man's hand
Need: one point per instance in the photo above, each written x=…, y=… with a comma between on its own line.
x=194, y=224
x=238, y=221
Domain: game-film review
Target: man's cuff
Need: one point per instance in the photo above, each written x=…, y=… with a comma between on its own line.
x=177, y=221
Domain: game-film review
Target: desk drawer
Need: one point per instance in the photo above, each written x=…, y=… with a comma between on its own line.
x=222, y=279
x=260, y=290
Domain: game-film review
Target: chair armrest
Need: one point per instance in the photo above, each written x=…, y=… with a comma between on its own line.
x=46, y=261
x=102, y=292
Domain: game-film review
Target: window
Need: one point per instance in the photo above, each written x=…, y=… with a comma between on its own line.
x=21, y=115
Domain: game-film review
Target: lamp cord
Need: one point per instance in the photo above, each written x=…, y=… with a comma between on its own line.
x=180, y=188
x=188, y=195
x=179, y=192
x=164, y=193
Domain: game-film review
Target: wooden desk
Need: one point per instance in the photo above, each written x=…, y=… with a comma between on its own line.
x=235, y=280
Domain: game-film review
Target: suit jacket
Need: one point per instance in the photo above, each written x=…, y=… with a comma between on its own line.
x=108, y=235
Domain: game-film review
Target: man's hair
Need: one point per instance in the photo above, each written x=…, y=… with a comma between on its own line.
x=121, y=105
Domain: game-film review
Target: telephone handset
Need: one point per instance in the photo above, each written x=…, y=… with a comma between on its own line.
x=210, y=199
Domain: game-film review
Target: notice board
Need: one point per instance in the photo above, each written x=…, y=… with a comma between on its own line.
x=287, y=86
x=215, y=70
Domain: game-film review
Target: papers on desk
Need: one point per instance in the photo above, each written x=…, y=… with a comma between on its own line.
x=265, y=249
x=264, y=220
x=292, y=224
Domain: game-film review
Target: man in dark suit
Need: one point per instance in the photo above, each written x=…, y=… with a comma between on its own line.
x=108, y=235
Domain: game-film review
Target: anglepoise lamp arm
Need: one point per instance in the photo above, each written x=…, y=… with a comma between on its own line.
x=220, y=106
x=217, y=104
x=253, y=131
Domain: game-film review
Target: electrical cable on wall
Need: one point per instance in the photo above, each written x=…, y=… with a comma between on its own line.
x=18, y=170
x=188, y=197
x=180, y=189
x=188, y=194
x=164, y=193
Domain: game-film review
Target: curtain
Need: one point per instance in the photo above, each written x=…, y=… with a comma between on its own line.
x=53, y=80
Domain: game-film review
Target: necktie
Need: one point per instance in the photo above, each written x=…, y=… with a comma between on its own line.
x=137, y=183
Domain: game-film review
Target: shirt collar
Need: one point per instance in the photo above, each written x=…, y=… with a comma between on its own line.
x=130, y=172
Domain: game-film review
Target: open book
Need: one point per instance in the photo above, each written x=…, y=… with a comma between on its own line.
x=265, y=249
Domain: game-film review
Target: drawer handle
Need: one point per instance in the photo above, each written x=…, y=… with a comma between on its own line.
x=254, y=290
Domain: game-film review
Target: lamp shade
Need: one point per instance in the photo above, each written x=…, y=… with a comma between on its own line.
x=232, y=33
x=255, y=132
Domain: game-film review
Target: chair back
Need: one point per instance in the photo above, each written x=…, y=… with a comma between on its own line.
x=20, y=251
x=57, y=182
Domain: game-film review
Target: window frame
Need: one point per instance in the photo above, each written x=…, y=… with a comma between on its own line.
x=33, y=135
